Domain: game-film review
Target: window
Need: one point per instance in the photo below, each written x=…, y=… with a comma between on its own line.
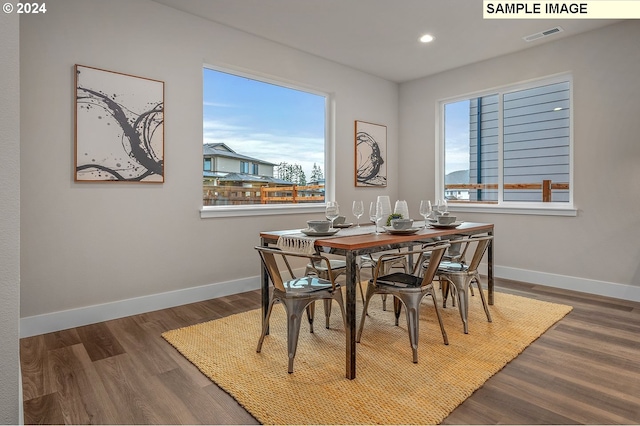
x=267, y=136
x=509, y=148
x=207, y=164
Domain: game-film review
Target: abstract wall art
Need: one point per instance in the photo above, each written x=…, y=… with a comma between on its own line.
x=119, y=134
x=370, y=154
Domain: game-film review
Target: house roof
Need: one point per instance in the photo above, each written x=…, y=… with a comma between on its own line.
x=222, y=150
x=244, y=177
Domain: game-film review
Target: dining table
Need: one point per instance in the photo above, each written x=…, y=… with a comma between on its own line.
x=358, y=241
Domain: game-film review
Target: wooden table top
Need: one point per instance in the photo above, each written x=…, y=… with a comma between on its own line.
x=354, y=242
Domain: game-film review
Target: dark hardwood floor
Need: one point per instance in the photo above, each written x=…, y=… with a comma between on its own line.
x=584, y=370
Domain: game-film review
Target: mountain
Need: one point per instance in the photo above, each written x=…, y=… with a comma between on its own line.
x=460, y=176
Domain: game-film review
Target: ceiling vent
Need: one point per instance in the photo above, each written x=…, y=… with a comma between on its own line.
x=543, y=34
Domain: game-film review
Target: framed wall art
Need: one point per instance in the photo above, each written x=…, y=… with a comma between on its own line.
x=370, y=154
x=119, y=134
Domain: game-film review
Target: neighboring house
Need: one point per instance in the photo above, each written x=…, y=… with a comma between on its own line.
x=232, y=178
x=224, y=166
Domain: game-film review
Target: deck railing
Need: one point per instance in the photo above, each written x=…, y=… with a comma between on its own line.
x=292, y=194
x=547, y=187
x=216, y=195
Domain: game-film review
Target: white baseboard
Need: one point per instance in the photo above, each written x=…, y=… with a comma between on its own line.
x=56, y=321
x=62, y=320
x=585, y=285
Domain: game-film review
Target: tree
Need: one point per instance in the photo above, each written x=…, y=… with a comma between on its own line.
x=292, y=173
x=316, y=173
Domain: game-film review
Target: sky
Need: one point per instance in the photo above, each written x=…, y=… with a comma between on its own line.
x=278, y=124
x=456, y=133
x=264, y=121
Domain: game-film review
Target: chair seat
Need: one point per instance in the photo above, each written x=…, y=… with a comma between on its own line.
x=308, y=284
x=453, y=267
x=399, y=279
x=334, y=263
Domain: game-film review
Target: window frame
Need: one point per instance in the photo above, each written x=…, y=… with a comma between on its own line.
x=509, y=207
x=329, y=151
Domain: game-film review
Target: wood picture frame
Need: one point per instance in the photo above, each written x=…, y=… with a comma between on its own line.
x=119, y=127
x=370, y=154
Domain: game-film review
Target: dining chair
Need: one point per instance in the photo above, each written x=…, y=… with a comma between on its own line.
x=408, y=290
x=339, y=267
x=296, y=294
x=389, y=262
x=456, y=253
x=457, y=276
x=318, y=268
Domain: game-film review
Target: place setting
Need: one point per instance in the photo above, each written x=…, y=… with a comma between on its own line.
x=438, y=216
x=401, y=226
x=319, y=228
x=397, y=222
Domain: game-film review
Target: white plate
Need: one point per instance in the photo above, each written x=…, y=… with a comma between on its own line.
x=450, y=225
x=390, y=230
x=342, y=225
x=312, y=233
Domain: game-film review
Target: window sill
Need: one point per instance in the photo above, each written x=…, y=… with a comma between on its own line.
x=537, y=209
x=207, y=212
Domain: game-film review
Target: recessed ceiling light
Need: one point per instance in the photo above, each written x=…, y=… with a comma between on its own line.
x=557, y=109
x=427, y=38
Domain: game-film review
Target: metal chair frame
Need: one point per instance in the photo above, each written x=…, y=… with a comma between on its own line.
x=396, y=260
x=453, y=254
x=338, y=267
x=296, y=294
x=414, y=289
x=458, y=277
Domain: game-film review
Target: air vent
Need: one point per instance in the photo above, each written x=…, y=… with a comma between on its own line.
x=542, y=34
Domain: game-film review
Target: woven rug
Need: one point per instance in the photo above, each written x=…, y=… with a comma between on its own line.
x=389, y=388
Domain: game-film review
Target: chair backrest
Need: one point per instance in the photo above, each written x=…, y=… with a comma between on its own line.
x=431, y=253
x=270, y=263
x=481, y=247
x=457, y=251
x=269, y=260
x=435, y=252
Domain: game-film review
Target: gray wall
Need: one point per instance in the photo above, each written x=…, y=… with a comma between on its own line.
x=9, y=218
x=89, y=244
x=598, y=250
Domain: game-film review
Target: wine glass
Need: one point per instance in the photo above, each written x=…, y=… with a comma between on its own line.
x=443, y=208
x=332, y=211
x=440, y=207
x=358, y=210
x=375, y=213
x=425, y=210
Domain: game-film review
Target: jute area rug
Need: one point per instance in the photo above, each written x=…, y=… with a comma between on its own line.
x=389, y=388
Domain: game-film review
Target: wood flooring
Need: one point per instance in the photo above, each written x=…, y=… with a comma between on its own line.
x=584, y=370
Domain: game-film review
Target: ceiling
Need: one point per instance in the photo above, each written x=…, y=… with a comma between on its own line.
x=380, y=37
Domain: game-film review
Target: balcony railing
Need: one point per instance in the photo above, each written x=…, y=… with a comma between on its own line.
x=216, y=195
x=547, y=187
x=292, y=194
